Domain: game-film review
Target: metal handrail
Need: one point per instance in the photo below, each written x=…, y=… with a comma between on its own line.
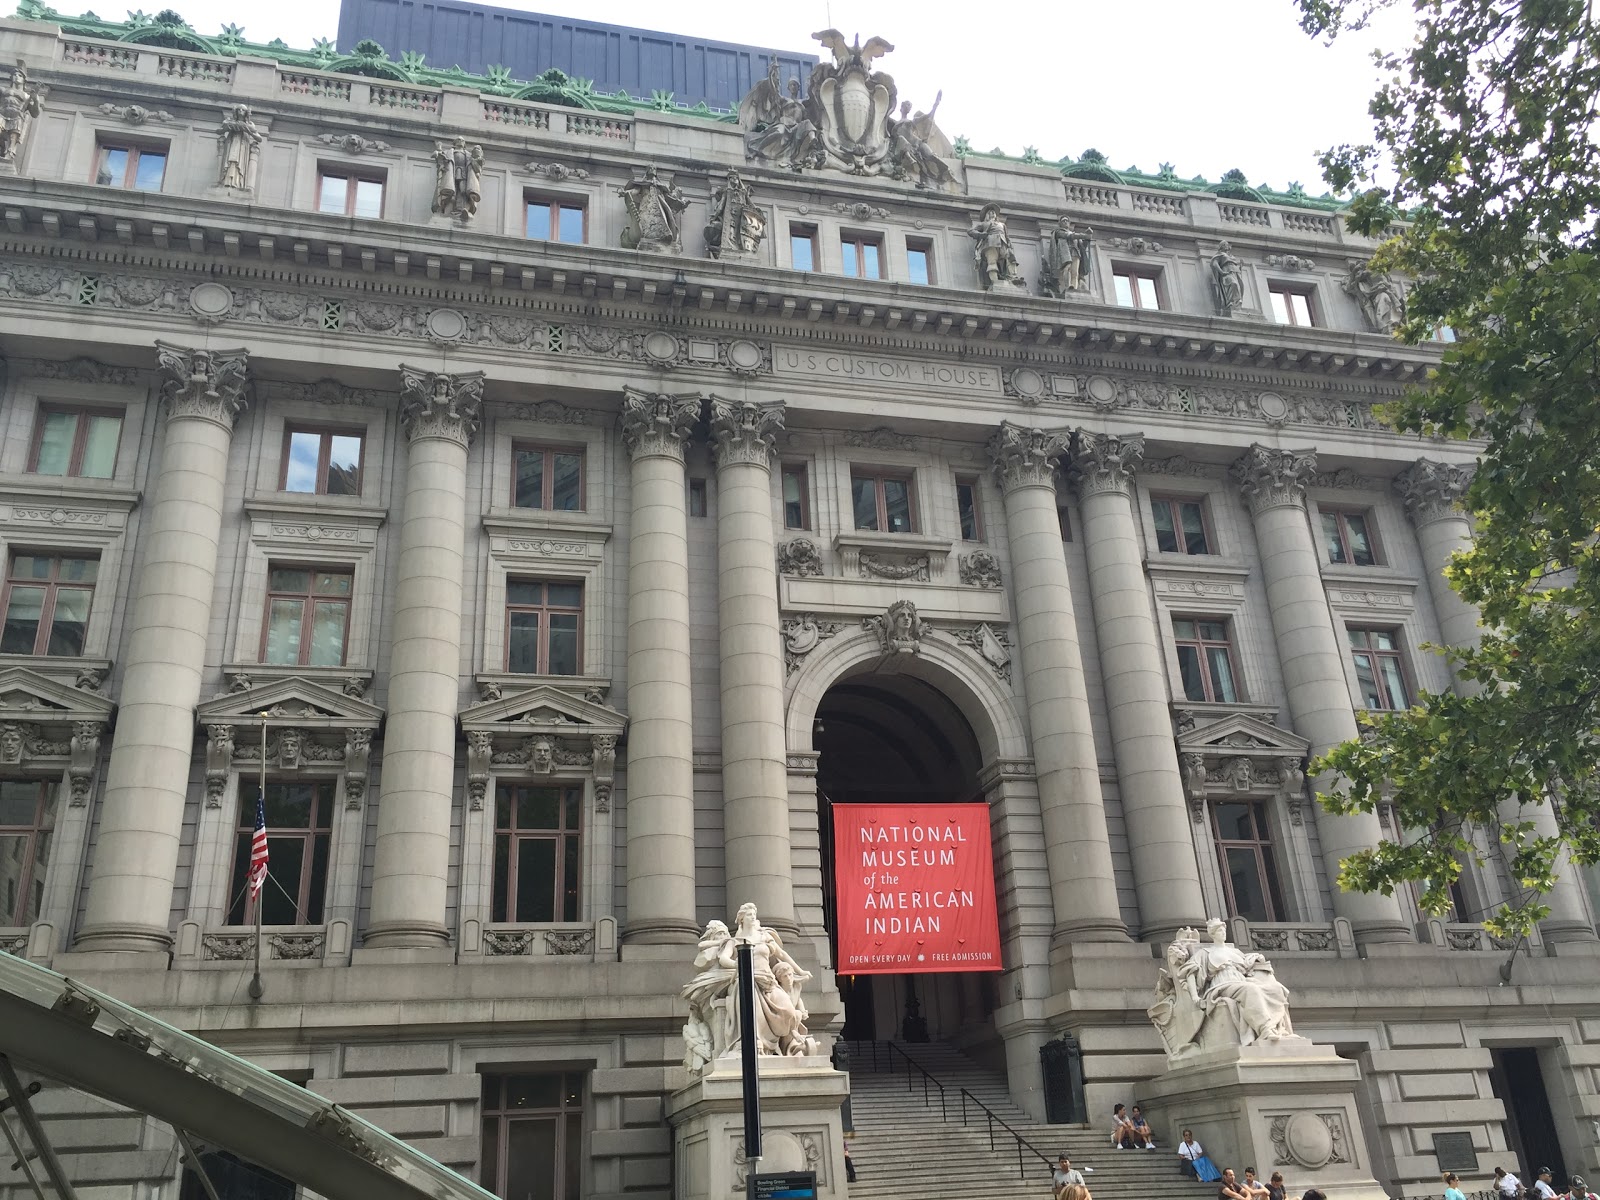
x=993, y=1118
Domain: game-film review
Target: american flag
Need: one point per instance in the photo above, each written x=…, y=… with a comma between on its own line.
x=258, y=849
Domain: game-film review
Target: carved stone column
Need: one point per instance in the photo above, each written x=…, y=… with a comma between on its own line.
x=1432, y=493
x=755, y=807
x=411, y=858
x=660, y=797
x=1311, y=652
x=1077, y=844
x=129, y=900
x=1150, y=784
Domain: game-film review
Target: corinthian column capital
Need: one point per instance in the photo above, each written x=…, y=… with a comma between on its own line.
x=656, y=424
x=1105, y=462
x=1027, y=457
x=1271, y=478
x=208, y=385
x=1432, y=490
x=744, y=431
x=436, y=405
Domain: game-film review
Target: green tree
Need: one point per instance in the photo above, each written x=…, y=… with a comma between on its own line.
x=1486, y=138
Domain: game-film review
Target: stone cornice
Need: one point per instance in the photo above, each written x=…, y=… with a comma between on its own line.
x=657, y=424
x=1027, y=457
x=744, y=431
x=207, y=385
x=1432, y=490
x=1271, y=478
x=1105, y=462
x=434, y=404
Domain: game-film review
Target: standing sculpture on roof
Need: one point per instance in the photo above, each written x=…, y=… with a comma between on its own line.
x=19, y=104
x=458, y=183
x=655, y=214
x=1227, y=273
x=1065, y=269
x=735, y=226
x=992, y=253
x=237, y=148
x=915, y=147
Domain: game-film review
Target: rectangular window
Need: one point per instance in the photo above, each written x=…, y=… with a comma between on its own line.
x=1348, y=536
x=968, y=511
x=1290, y=305
x=536, y=848
x=803, y=247
x=862, y=255
x=698, y=504
x=882, y=502
x=533, y=1136
x=919, y=260
x=299, y=834
x=547, y=477
x=1244, y=851
x=47, y=604
x=1380, y=675
x=552, y=220
x=308, y=616
x=1181, y=526
x=1443, y=333
x=1064, y=519
x=1134, y=289
x=543, y=623
x=351, y=194
x=322, y=462
x=138, y=168
x=27, y=819
x=796, y=496
x=1205, y=659
x=80, y=443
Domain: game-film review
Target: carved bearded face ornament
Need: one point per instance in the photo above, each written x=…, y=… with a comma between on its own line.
x=542, y=755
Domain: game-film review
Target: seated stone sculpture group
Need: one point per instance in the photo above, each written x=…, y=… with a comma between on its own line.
x=1212, y=995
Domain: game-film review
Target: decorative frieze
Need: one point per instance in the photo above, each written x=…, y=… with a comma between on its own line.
x=205, y=384
x=137, y=114
x=438, y=405
x=1271, y=478
x=1432, y=490
x=745, y=432
x=1105, y=462
x=1027, y=457
x=658, y=424
x=353, y=143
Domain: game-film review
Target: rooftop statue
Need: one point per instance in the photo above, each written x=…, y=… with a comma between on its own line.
x=735, y=226
x=19, y=104
x=237, y=148
x=458, y=183
x=655, y=214
x=1378, y=296
x=917, y=147
x=992, y=253
x=1065, y=269
x=1227, y=274
x=712, y=1031
x=778, y=127
x=1212, y=995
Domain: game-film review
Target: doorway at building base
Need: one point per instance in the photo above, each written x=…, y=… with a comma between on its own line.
x=915, y=889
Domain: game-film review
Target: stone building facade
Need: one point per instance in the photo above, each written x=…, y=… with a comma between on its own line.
x=537, y=576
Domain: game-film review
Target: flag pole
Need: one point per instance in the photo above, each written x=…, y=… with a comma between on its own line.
x=256, y=989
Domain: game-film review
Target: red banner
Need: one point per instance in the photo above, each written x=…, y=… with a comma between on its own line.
x=915, y=889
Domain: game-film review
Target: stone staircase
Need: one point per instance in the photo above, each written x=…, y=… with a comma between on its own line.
x=903, y=1148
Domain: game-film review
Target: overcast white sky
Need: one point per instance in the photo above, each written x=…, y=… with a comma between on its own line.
x=1203, y=84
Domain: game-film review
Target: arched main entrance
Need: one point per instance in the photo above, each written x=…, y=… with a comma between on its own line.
x=896, y=738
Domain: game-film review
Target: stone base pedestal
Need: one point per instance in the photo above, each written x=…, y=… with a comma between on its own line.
x=800, y=1129
x=1289, y=1106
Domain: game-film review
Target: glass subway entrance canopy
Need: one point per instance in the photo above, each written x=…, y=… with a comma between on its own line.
x=61, y=1032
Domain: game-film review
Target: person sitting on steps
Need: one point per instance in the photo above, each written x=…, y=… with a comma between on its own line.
x=1230, y=1188
x=1253, y=1187
x=1122, y=1134
x=1193, y=1161
x=1141, y=1128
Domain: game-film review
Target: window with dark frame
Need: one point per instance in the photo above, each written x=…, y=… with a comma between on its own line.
x=308, y=616
x=796, y=496
x=803, y=247
x=1443, y=333
x=1064, y=519
x=322, y=462
x=76, y=443
x=47, y=603
x=969, y=510
x=350, y=193
x=547, y=477
x=1181, y=525
x=137, y=168
x=533, y=1136
x=919, y=261
x=1348, y=537
x=536, y=852
x=299, y=837
x=544, y=625
x=550, y=219
x=882, y=502
x=1290, y=305
x=699, y=505
x=1244, y=852
x=27, y=821
x=1135, y=289
x=862, y=255
x=1205, y=659
x=1380, y=673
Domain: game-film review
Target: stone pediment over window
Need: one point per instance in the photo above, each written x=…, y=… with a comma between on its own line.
x=49, y=725
x=311, y=726
x=542, y=731
x=1240, y=756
